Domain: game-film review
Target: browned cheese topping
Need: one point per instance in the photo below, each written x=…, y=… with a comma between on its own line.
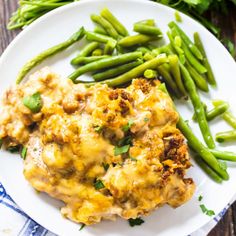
x=104, y=152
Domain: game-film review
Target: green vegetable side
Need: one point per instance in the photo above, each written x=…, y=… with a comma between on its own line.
x=115, y=57
x=29, y=11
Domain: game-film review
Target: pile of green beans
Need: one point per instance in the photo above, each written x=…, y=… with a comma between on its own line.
x=114, y=57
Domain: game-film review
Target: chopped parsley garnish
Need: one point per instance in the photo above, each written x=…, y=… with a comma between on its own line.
x=203, y=208
x=210, y=213
x=98, y=129
x=125, y=141
x=127, y=127
x=206, y=211
x=105, y=166
x=200, y=198
x=146, y=119
x=134, y=222
x=14, y=149
x=23, y=153
x=33, y=102
x=121, y=150
x=99, y=185
x=82, y=226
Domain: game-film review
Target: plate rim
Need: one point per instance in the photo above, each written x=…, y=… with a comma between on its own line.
x=85, y=2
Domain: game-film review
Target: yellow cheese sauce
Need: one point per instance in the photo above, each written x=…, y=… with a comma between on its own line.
x=71, y=146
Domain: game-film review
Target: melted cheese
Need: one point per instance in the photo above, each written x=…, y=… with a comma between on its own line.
x=66, y=154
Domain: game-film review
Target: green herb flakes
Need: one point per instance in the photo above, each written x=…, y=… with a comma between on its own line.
x=105, y=166
x=210, y=213
x=125, y=141
x=134, y=222
x=200, y=198
x=146, y=119
x=82, y=226
x=33, y=102
x=14, y=149
x=98, y=128
x=206, y=211
x=99, y=185
x=127, y=127
x=121, y=150
x=23, y=153
x=203, y=208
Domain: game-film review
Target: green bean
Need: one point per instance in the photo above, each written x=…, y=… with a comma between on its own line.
x=198, y=79
x=230, y=119
x=224, y=155
x=106, y=25
x=199, y=44
x=178, y=49
x=226, y=136
x=178, y=16
x=192, y=60
x=193, y=48
x=164, y=49
x=197, y=146
x=205, y=109
x=109, y=47
x=49, y=52
x=86, y=60
x=227, y=116
x=105, y=63
x=116, y=70
x=188, y=54
x=86, y=51
x=138, y=39
x=175, y=71
x=150, y=74
x=178, y=41
x=217, y=111
x=120, y=50
x=143, y=50
x=168, y=79
x=217, y=102
x=149, y=22
x=137, y=71
x=148, y=56
x=207, y=169
x=198, y=108
x=114, y=22
x=97, y=52
x=91, y=36
x=146, y=29
x=99, y=30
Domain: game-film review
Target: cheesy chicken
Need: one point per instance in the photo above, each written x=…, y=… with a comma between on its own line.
x=104, y=152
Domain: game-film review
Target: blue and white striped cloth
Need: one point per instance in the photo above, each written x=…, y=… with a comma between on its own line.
x=14, y=222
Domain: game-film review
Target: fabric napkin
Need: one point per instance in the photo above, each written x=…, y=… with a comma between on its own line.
x=14, y=222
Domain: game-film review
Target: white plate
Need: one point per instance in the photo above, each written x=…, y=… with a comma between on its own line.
x=57, y=26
